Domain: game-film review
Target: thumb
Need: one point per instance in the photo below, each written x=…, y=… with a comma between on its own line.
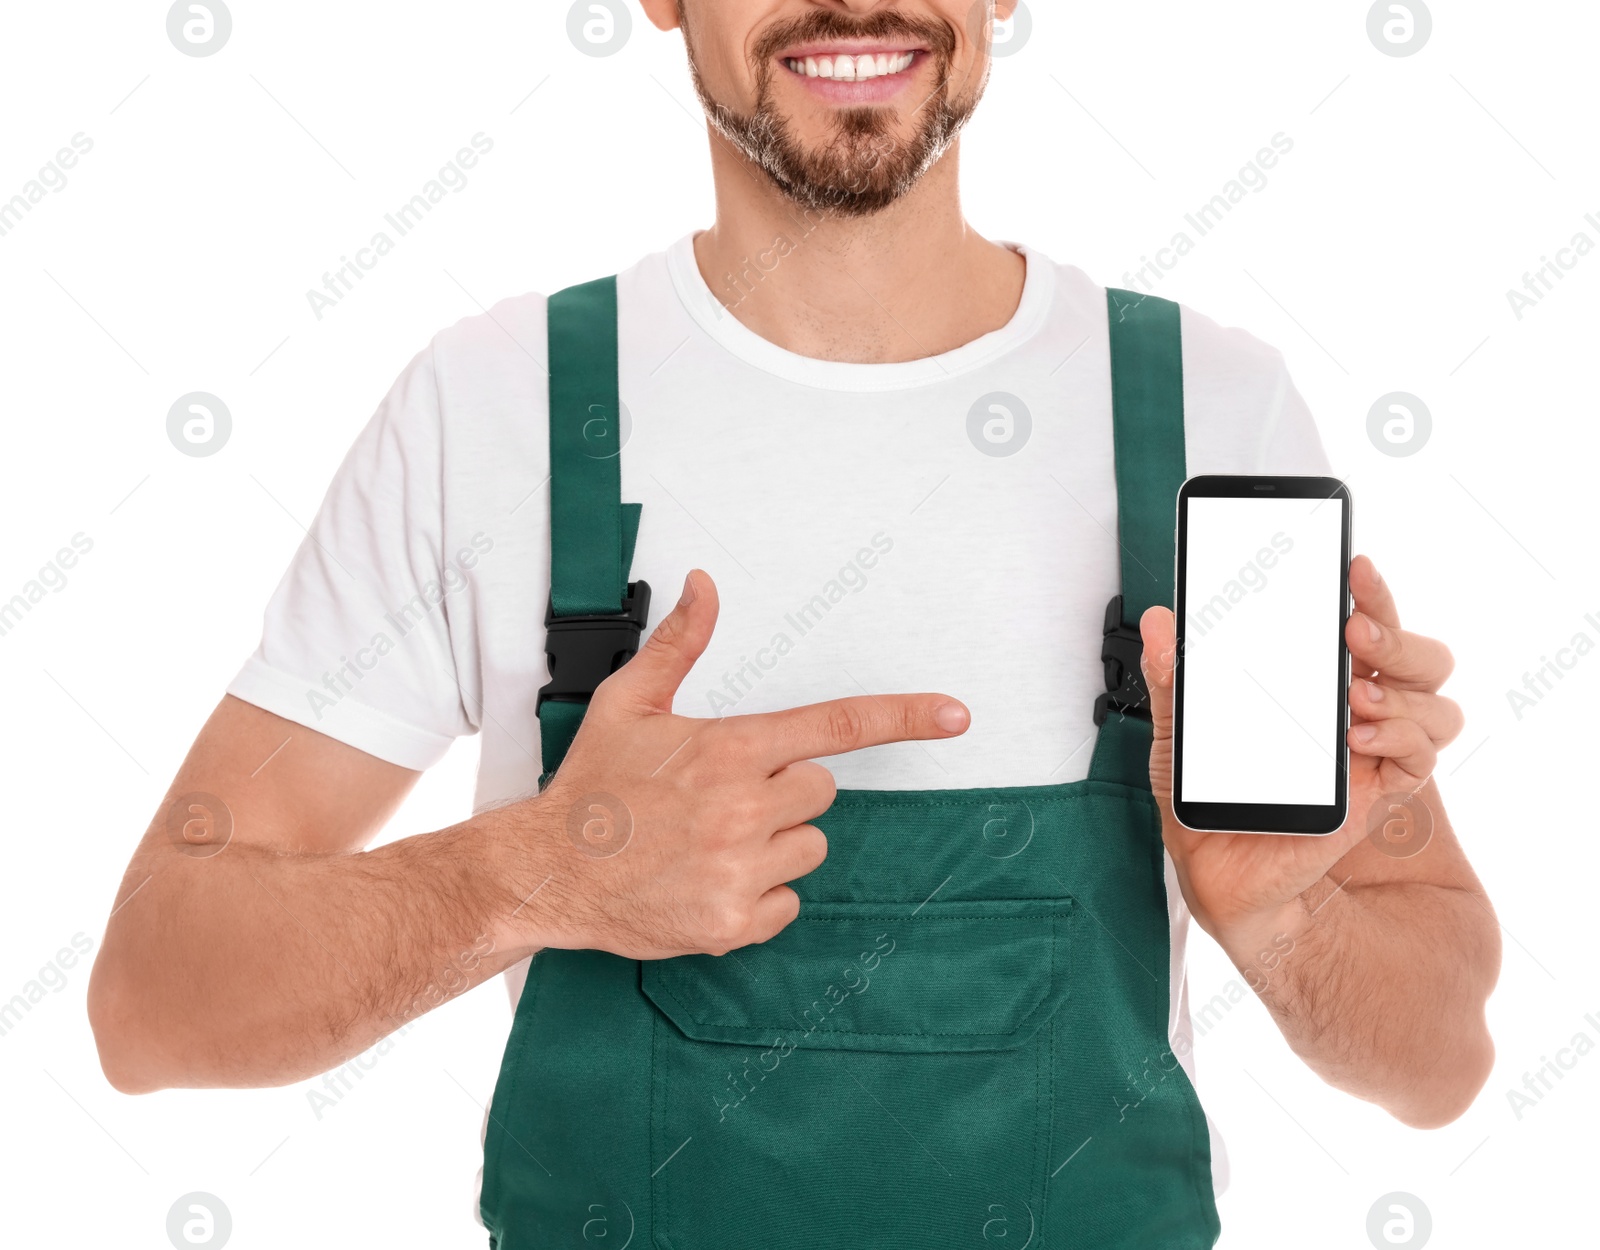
x=651, y=679
x=1158, y=630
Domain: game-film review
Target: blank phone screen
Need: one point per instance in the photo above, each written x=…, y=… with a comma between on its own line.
x=1261, y=656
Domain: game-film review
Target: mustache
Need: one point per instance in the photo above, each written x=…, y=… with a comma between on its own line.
x=822, y=25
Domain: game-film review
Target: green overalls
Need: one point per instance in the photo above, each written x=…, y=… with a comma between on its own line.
x=961, y=1041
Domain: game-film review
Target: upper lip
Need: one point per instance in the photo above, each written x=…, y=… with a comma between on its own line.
x=849, y=47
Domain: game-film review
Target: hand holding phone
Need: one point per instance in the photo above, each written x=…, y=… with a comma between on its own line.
x=1247, y=888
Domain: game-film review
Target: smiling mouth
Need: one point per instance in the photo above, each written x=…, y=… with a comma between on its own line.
x=845, y=67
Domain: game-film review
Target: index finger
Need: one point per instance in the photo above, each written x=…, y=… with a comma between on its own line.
x=1371, y=593
x=851, y=724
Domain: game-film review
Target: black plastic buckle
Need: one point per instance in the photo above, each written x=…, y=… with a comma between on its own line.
x=582, y=651
x=1120, y=649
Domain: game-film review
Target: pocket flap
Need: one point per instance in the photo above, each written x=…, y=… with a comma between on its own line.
x=879, y=976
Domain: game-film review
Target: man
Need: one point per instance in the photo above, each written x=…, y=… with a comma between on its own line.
x=893, y=442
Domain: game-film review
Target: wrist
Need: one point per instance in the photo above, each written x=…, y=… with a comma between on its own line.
x=523, y=877
x=1260, y=943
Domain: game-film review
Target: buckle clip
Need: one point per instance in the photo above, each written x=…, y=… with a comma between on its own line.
x=582, y=651
x=1120, y=650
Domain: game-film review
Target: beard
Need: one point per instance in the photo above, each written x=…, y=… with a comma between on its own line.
x=863, y=166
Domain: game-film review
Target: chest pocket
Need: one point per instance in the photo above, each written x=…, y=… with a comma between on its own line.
x=875, y=1075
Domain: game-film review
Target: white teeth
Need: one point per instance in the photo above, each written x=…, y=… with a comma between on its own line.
x=852, y=68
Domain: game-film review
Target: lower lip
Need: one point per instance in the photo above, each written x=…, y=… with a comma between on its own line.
x=867, y=91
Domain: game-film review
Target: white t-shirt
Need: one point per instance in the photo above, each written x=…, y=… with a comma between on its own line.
x=414, y=612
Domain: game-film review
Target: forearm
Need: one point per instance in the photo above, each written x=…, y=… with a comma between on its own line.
x=1382, y=991
x=253, y=967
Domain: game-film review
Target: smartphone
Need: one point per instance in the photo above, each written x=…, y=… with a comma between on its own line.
x=1260, y=710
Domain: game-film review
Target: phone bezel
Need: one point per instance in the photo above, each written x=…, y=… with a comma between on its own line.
x=1314, y=819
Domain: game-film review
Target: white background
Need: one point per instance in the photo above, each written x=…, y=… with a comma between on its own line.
x=1263, y=664
x=220, y=189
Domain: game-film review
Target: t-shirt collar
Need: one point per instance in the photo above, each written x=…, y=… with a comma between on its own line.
x=731, y=334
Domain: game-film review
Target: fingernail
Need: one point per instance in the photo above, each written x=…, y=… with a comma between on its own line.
x=951, y=717
x=1373, y=632
x=1374, y=691
x=688, y=591
x=1365, y=733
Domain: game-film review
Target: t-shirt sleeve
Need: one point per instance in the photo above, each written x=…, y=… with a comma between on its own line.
x=1243, y=413
x=357, y=640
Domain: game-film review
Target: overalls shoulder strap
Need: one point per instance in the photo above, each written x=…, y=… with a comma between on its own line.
x=595, y=616
x=1148, y=432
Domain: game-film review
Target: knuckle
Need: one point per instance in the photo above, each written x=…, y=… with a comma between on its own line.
x=695, y=765
x=727, y=925
x=736, y=739
x=790, y=910
x=815, y=784
x=845, y=724
x=668, y=635
x=714, y=754
x=911, y=719
x=827, y=788
x=744, y=813
x=1418, y=737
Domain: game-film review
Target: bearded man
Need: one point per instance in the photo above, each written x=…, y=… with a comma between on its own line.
x=799, y=959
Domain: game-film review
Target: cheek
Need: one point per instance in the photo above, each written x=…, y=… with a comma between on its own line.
x=725, y=34
x=727, y=79
x=970, y=59
x=971, y=22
